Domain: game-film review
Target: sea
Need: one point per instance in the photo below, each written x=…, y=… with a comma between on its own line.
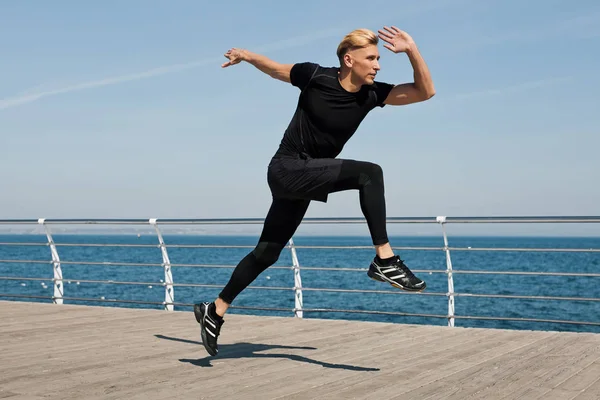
x=271, y=293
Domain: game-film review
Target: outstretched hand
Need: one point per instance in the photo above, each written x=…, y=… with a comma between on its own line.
x=398, y=41
x=235, y=56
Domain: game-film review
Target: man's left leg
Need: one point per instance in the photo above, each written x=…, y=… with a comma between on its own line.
x=367, y=178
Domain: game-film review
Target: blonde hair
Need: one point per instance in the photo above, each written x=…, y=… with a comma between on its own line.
x=356, y=39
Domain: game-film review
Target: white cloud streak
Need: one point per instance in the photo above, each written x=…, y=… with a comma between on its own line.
x=33, y=95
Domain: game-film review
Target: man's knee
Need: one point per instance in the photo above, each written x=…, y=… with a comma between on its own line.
x=372, y=174
x=267, y=253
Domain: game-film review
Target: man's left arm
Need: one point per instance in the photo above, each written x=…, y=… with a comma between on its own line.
x=422, y=88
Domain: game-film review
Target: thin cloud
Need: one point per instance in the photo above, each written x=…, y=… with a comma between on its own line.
x=32, y=95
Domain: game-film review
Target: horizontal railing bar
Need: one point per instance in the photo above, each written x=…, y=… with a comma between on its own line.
x=145, y=302
x=556, y=321
x=324, y=220
x=208, y=246
x=141, y=283
x=372, y=291
x=113, y=300
x=320, y=310
x=207, y=285
x=525, y=249
x=456, y=294
x=159, y=284
x=78, y=244
x=115, y=282
x=464, y=272
x=365, y=269
x=86, y=263
x=130, y=264
x=242, y=307
x=23, y=244
x=110, y=281
x=531, y=273
x=25, y=296
x=211, y=246
x=373, y=312
x=22, y=278
x=27, y=261
x=334, y=269
x=112, y=263
x=524, y=219
x=262, y=308
x=107, y=245
x=400, y=248
x=364, y=247
x=222, y=266
x=510, y=296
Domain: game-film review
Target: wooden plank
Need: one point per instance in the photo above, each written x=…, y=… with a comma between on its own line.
x=581, y=380
x=592, y=392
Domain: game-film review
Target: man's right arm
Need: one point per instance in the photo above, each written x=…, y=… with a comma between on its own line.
x=272, y=68
x=298, y=74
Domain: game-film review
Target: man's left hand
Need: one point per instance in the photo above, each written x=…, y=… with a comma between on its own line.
x=398, y=41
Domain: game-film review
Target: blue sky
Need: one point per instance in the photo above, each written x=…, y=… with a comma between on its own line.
x=121, y=109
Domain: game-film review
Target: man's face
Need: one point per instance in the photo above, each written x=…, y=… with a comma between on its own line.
x=364, y=63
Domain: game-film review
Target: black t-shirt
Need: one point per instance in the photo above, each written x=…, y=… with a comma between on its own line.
x=327, y=115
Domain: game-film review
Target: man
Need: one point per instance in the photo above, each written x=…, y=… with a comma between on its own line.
x=332, y=103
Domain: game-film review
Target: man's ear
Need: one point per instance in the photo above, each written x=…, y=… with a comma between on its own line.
x=348, y=60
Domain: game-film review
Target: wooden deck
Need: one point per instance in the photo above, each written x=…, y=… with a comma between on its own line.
x=81, y=352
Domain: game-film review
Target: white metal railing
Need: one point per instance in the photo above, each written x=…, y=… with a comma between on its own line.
x=169, y=302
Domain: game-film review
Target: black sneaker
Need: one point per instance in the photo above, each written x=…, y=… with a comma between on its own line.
x=210, y=327
x=396, y=274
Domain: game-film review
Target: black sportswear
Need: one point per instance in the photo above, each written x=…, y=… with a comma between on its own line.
x=327, y=115
x=305, y=168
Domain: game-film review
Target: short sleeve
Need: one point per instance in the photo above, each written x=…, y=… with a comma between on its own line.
x=382, y=90
x=301, y=73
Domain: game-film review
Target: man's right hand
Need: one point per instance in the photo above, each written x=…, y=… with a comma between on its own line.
x=235, y=56
x=272, y=68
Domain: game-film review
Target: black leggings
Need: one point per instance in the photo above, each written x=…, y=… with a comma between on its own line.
x=285, y=215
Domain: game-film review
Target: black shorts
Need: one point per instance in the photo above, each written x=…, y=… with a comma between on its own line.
x=302, y=177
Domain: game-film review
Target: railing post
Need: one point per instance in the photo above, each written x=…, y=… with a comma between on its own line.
x=298, y=303
x=442, y=221
x=169, y=293
x=57, y=297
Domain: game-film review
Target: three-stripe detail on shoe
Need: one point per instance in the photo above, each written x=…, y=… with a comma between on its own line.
x=392, y=269
x=210, y=322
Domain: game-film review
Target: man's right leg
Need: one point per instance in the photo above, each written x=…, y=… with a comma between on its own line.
x=282, y=220
x=281, y=223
